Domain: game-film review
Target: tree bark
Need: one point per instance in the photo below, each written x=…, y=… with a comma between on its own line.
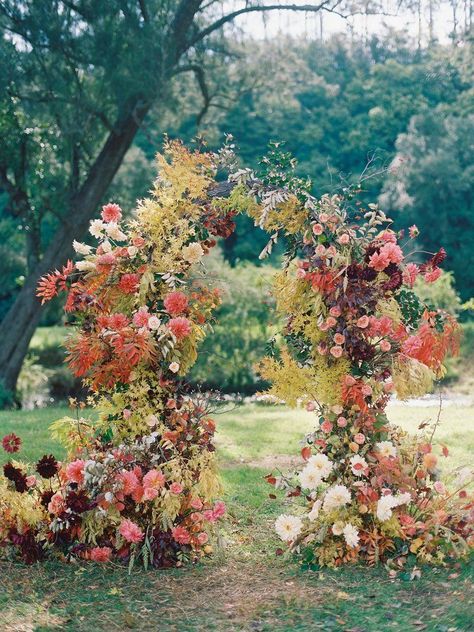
x=20, y=322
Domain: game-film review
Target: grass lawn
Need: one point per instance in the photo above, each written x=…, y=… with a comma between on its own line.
x=244, y=586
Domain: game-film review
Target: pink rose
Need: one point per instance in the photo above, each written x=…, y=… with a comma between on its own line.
x=331, y=321
x=318, y=229
x=326, y=426
x=300, y=273
x=126, y=413
x=363, y=322
x=336, y=351
x=341, y=422
x=335, y=311
x=176, y=488
x=339, y=339
x=196, y=503
x=344, y=239
x=359, y=438
x=323, y=217
x=385, y=345
x=181, y=535
x=320, y=250
x=310, y=406
x=202, y=538
x=439, y=487
x=219, y=509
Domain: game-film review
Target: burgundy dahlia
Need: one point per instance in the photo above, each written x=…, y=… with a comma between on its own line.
x=11, y=443
x=17, y=477
x=47, y=466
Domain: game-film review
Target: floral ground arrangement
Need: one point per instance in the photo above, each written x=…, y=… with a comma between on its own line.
x=140, y=481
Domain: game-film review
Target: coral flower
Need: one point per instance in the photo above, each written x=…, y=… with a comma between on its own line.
x=410, y=273
x=129, y=283
x=176, y=303
x=432, y=275
x=378, y=261
x=202, y=538
x=141, y=318
x=335, y=311
x=392, y=252
x=196, y=503
x=339, y=339
x=154, y=478
x=344, y=239
x=75, y=471
x=11, y=443
x=180, y=327
x=56, y=505
x=130, y=482
x=100, y=554
x=219, y=509
x=336, y=351
x=181, y=535
x=117, y=321
x=130, y=531
x=326, y=426
x=385, y=345
x=111, y=213
x=363, y=322
x=430, y=461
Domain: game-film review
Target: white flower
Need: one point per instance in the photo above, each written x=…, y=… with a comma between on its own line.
x=109, y=497
x=309, y=477
x=388, y=502
x=314, y=513
x=151, y=420
x=386, y=449
x=132, y=251
x=335, y=497
x=351, y=535
x=193, y=253
x=321, y=463
x=154, y=322
x=384, y=507
x=96, y=228
x=85, y=266
x=288, y=527
x=465, y=475
x=114, y=232
x=358, y=465
x=82, y=249
x=337, y=528
x=174, y=367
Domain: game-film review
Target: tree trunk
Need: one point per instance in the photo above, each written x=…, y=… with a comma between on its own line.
x=19, y=324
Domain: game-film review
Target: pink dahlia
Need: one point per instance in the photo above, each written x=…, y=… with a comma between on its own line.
x=176, y=488
x=176, y=303
x=130, y=531
x=219, y=509
x=378, y=261
x=129, y=481
x=180, y=327
x=392, y=252
x=388, y=236
x=100, y=554
x=117, y=321
x=111, y=213
x=154, y=478
x=11, y=443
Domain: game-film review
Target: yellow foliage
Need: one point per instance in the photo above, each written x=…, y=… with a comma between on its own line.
x=410, y=377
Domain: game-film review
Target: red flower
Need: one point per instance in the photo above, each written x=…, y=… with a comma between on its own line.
x=111, y=213
x=11, y=443
x=176, y=303
x=180, y=327
x=100, y=554
x=129, y=283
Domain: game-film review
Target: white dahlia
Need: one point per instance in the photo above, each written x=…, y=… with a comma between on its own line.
x=386, y=449
x=351, y=535
x=314, y=513
x=288, y=527
x=81, y=249
x=321, y=463
x=335, y=497
x=96, y=228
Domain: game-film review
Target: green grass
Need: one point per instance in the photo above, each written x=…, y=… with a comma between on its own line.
x=244, y=586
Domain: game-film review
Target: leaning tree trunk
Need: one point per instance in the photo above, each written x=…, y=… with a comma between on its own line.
x=19, y=324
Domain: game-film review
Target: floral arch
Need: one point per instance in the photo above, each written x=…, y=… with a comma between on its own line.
x=141, y=482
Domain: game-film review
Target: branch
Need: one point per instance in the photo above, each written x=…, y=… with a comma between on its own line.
x=144, y=10
x=201, y=79
x=308, y=8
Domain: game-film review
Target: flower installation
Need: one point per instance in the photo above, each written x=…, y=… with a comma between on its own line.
x=139, y=481
x=354, y=333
